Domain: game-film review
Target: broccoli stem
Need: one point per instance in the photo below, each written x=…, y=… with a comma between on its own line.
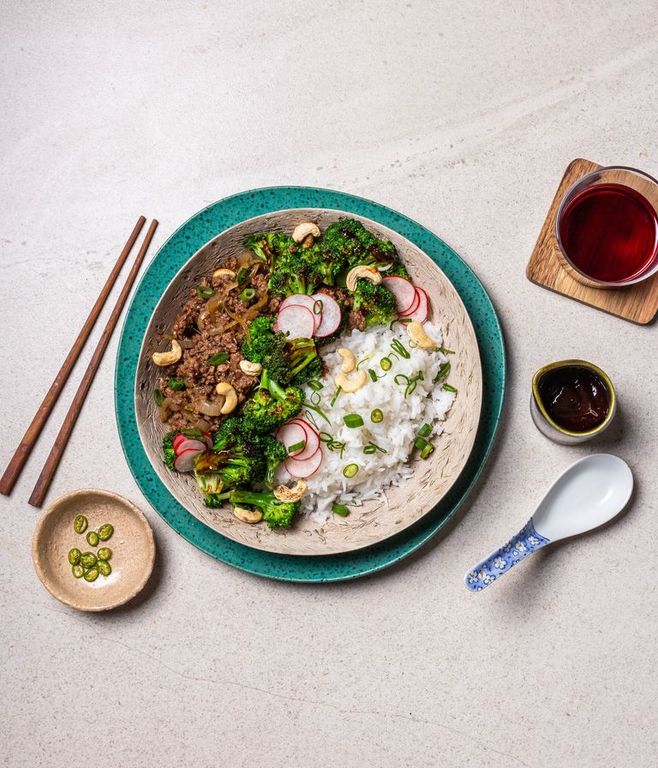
x=271, y=386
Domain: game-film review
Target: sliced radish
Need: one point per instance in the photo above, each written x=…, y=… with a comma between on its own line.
x=402, y=289
x=311, y=437
x=189, y=444
x=301, y=469
x=291, y=434
x=423, y=310
x=331, y=315
x=185, y=461
x=302, y=300
x=296, y=322
x=414, y=306
x=177, y=441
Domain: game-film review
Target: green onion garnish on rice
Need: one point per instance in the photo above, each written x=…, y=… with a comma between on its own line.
x=340, y=509
x=353, y=420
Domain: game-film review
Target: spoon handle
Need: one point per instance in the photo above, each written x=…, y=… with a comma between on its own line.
x=526, y=541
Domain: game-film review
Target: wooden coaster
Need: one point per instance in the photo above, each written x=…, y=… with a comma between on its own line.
x=637, y=303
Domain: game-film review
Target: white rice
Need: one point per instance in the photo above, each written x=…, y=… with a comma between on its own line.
x=403, y=416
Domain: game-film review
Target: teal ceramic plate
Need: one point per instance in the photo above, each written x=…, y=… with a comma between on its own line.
x=174, y=253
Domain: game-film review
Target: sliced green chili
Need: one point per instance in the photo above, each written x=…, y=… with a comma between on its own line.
x=353, y=420
x=77, y=571
x=105, y=531
x=104, y=553
x=74, y=556
x=88, y=559
x=376, y=416
x=178, y=385
x=104, y=567
x=219, y=359
x=340, y=509
x=386, y=363
x=92, y=538
x=350, y=470
x=205, y=291
x=91, y=574
x=80, y=524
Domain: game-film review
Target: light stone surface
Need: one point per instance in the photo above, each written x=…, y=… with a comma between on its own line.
x=461, y=115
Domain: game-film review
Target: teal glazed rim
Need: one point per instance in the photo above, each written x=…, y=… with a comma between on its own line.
x=185, y=242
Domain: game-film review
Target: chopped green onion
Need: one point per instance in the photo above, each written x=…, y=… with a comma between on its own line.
x=316, y=385
x=443, y=371
x=373, y=374
x=317, y=410
x=335, y=397
x=218, y=359
x=318, y=304
x=350, y=470
x=425, y=430
x=445, y=350
x=247, y=295
x=297, y=447
x=449, y=388
x=205, y=291
x=427, y=451
x=243, y=273
x=386, y=363
x=332, y=445
x=353, y=420
x=178, y=385
x=315, y=398
x=398, y=346
x=363, y=360
x=376, y=416
x=158, y=396
x=420, y=443
x=373, y=448
x=340, y=509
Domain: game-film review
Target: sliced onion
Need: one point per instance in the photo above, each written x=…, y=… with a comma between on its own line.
x=209, y=407
x=165, y=409
x=202, y=424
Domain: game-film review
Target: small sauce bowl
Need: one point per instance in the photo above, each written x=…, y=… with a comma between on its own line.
x=593, y=383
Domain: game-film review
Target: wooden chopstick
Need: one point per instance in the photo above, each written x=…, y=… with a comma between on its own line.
x=55, y=455
x=22, y=453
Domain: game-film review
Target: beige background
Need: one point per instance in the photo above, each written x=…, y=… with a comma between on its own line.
x=462, y=115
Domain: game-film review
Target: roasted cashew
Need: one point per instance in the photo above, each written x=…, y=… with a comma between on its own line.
x=249, y=368
x=417, y=333
x=369, y=273
x=223, y=273
x=168, y=358
x=283, y=493
x=230, y=395
x=349, y=361
x=351, y=383
x=302, y=231
x=250, y=516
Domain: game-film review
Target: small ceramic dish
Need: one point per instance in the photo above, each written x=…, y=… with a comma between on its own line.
x=132, y=545
x=547, y=426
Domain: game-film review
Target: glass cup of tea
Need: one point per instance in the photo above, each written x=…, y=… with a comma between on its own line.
x=607, y=228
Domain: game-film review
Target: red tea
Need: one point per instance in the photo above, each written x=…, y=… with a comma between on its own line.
x=610, y=232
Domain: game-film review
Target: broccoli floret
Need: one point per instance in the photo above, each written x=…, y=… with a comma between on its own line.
x=232, y=468
x=271, y=406
x=277, y=514
x=289, y=273
x=349, y=241
x=229, y=436
x=274, y=453
x=271, y=246
x=376, y=302
x=211, y=486
x=285, y=360
x=168, y=443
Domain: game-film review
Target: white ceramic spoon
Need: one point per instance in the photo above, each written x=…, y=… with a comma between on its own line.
x=586, y=495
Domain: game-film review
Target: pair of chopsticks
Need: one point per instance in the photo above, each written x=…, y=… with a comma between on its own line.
x=22, y=453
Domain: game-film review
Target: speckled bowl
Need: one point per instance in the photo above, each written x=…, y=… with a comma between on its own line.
x=132, y=544
x=375, y=521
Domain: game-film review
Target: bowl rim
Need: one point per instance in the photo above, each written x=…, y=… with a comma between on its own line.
x=583, y=364
x=257, y=545
x=51, y=586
